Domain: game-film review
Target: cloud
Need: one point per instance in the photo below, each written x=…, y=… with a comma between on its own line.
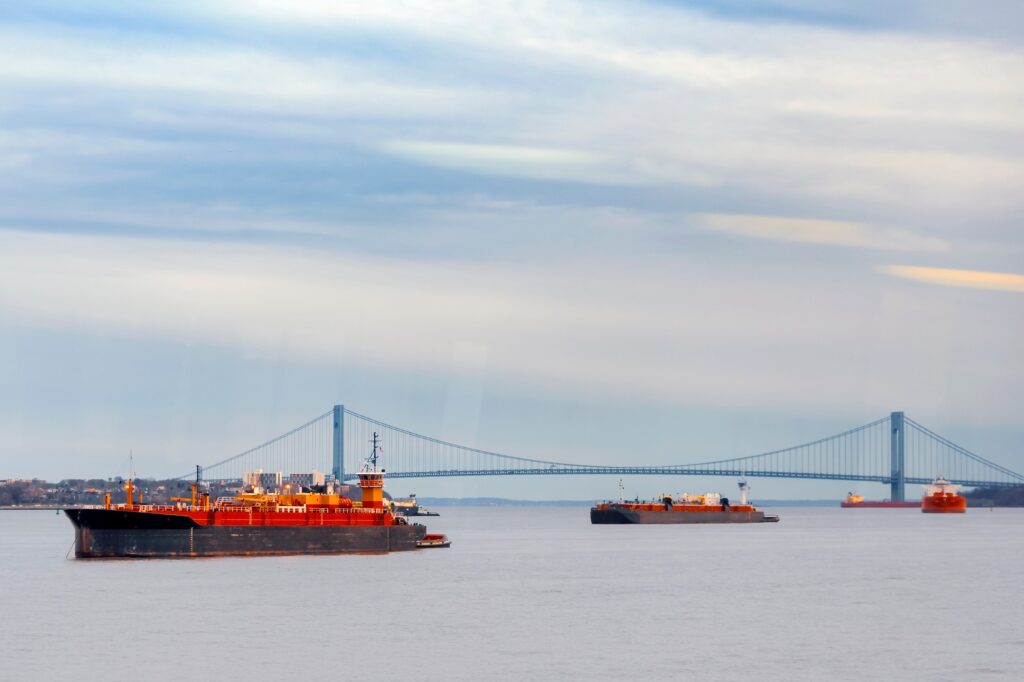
x=810, y=231
x=678, y=330
x=325, y=124
x=541, y=163
x=634, y=95
x=967, y=279
x=219, y=76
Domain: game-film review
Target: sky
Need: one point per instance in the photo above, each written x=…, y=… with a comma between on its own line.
x=625, y=232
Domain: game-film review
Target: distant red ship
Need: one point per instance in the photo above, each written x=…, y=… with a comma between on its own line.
x=854, y=501
x=941, y=497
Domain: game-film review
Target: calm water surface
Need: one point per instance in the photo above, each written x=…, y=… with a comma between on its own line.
x=539, y=593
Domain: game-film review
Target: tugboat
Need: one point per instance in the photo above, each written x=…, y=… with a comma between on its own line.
x=941, y=497
x=434, y=540
x=683, y=508
x=254, y=522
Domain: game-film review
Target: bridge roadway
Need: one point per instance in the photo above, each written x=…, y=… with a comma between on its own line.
x=675, y=471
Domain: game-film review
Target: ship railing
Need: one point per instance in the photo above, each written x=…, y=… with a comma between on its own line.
x=153, y=507
x=290, y=509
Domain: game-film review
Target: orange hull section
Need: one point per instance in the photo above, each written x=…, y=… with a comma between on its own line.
x=944, y=504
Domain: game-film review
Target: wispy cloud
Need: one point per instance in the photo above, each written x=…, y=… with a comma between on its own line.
x=641, y=94
x=672, y=329
x=829, y=232
x=542, y=163
x=967, y=279
x=220, y=75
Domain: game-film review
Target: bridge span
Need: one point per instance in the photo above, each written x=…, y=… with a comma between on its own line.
x=893, y=450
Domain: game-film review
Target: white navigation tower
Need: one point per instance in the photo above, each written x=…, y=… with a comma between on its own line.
x=744, y=489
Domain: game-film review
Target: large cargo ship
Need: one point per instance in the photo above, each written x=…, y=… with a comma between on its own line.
x=254, y=522
x=941, y=497
x=683, y=508
x=855, y=501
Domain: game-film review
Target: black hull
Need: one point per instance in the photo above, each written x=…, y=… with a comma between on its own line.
x=111, y=533
x=619, y=516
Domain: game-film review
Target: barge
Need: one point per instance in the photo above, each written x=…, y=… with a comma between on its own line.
x=253, y=523
x=683, y=508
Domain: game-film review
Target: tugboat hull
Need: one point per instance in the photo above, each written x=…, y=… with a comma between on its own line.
x=114, y=533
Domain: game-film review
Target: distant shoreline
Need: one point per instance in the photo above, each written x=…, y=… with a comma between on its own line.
x=511, y=502
x=30, y=507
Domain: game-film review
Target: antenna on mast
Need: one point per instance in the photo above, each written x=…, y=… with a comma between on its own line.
x=376, y=449
x=130, y=488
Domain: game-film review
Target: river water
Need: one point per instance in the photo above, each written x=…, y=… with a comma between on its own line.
x=528, y=593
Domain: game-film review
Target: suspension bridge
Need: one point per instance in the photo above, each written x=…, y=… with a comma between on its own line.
x=893, y=450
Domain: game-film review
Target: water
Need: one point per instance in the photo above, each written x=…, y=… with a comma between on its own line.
x=539, y=593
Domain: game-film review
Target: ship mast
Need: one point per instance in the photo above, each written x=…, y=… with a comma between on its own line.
x=371, y=480
x=130, y=488
x=376, y=449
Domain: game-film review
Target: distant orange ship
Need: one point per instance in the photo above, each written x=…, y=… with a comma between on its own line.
x=941, y=497
x=854, y=501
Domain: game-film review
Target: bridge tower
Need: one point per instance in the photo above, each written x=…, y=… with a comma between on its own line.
x=896, y=454
x=338, y=451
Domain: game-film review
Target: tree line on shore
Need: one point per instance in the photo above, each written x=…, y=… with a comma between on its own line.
x=996, y=497
x=78, y=491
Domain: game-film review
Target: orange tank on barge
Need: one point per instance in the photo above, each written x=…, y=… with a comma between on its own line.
x=254, y=522
x=941, y=497
x=683, y=508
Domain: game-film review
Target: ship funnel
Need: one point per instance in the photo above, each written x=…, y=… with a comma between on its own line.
x=744, y=489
